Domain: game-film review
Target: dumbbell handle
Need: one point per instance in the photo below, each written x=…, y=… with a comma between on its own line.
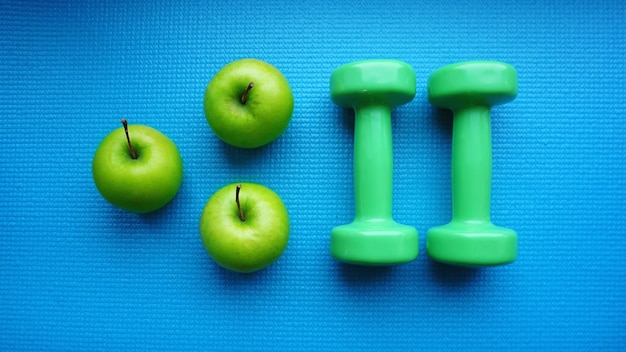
x=471, y=164
x=373, y=163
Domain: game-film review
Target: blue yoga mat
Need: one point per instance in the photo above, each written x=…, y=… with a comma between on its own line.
x=77, y=274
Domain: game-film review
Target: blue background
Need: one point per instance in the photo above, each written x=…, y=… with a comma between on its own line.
x=78, y=274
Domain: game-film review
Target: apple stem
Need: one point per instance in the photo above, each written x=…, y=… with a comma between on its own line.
x=244, y=96
x=130, y=146
x=241, y=216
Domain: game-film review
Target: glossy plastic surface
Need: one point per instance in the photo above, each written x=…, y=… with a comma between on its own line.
x=470, y=89
x=373, y=88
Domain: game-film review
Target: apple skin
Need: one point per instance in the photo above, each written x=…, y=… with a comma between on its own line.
x=250, y=245
x=266, y=113
x=139, y=185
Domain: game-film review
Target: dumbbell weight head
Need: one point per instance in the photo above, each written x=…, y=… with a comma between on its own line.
x=472, y=83
x=386, y=82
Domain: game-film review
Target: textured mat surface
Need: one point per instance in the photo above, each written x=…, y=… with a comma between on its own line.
x=77, y=274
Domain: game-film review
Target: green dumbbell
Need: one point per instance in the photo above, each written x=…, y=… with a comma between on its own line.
x=470, y=89
x=372, y=88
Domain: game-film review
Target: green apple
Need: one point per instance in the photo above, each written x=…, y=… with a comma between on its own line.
x=141, y=176
x=244, y=227
x=248, y=103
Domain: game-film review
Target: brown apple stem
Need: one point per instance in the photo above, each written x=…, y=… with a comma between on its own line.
x=241, y=216
x=244, y=96
x=130, y=146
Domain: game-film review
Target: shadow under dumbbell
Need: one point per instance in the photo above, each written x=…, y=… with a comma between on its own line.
x=443, y=119
x=453, y=276
x=347, y=119
x=361, y=275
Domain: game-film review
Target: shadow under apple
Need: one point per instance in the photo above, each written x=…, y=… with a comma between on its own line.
x=241, y=157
